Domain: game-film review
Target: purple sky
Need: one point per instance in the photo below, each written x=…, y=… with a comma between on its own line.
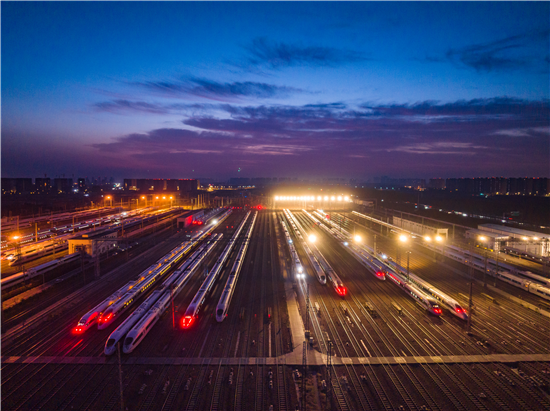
x=351, y=90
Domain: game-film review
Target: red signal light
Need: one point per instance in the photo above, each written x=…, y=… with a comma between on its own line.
x=187, y=321
x=341, y=290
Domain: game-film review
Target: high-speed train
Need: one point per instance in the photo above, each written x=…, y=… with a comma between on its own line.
x=38, y=270
x=192, y=312
x=114, y=310
x=451, y=304
x=231, y=283
x=315, y=260
x=35, y=253
x=144, y=325
x=526, y=284
x=91, y=317
x=421, y=298
x=502, y=265
x=293, y=252
x=356, y=251
x=157, y=304
x=122, y=329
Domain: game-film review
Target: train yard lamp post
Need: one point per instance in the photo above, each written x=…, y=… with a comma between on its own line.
x=483, y=239
x=404, y=239
x=17, y=241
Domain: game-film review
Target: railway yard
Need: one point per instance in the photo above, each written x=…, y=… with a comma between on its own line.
x=372, y=346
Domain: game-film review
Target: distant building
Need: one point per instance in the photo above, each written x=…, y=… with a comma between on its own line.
x=82, y=184
x=62, y=185
x=42, y=185
x=16, y=185
x=437, y=183
x=387, y=183
x=500, y=186
x=159, y=185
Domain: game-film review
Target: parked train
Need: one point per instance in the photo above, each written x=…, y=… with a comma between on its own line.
x=229, y=289
x=38, y=270
x=430, y=304
x=35, y=253
x=156, y=304
x=502, y=265
x=451, y=304
x=310, y=251
x=527, y=284
x=193, y=309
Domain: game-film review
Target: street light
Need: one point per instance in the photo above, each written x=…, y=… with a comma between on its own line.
x=483, y=239
x=312, y=238
x=404, y=239
x=357, y=238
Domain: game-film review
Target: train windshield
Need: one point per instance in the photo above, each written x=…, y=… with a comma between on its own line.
x=128, y=341
x=111, y=342
x=219, y=313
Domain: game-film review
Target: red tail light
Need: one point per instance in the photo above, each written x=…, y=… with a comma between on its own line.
x=379, y=273
x=187, y=321
x=459, y=310
x=78, y=330
x=341, y=290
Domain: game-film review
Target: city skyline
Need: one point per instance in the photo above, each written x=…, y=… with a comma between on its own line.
x=352, y=90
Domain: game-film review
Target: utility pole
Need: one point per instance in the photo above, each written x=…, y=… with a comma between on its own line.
x=408, y=275
x=97, y=269
x=471, y=268
x=329, y=373
x=120, y=379
x=304, y=371
x=173, y=311
x=36, y=231
x=485, y=271
x=496, y=269
x=307, y=309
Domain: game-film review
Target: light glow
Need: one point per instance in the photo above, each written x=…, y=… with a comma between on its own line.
x=403, y=238
x=428, y=238
x=357, y=238
x=438, y=238
x=312, y=238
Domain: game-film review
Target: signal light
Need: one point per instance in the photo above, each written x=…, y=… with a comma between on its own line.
x=187, y=321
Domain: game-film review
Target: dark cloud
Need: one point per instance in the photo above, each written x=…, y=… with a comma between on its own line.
x=120, y=105
x=265, y=53
x=328, y=138
x=509, y=53
x=214, y=90
x=475, y=109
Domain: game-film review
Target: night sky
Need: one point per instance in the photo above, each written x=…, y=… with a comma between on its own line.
x=331, y=89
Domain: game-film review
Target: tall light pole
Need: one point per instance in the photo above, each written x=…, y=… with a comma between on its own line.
x=404, y=239
x=483, y=239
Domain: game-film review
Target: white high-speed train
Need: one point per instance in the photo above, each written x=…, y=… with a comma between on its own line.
x=527, y=284
x=229, y=289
